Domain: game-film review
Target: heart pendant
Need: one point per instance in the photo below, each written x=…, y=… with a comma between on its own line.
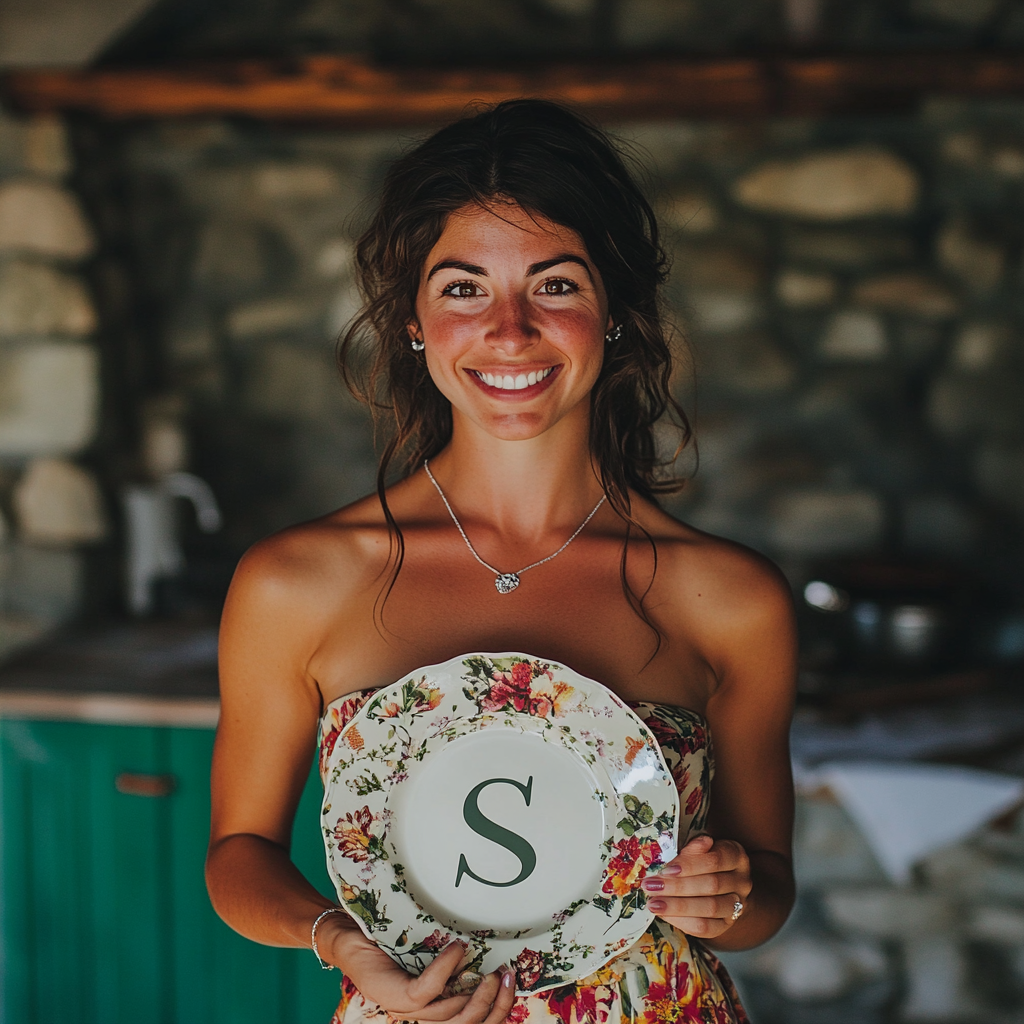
x=506, y=582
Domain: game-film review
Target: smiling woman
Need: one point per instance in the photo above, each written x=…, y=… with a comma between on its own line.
x=512, y=348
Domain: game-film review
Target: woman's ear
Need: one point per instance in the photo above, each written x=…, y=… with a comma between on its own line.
x=414, y=330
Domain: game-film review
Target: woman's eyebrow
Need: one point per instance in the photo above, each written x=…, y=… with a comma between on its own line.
x=565, y=257
x=468, y=268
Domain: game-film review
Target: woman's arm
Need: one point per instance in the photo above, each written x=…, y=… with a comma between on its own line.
x=265, y=740
x=744, y=618
x=282, y=600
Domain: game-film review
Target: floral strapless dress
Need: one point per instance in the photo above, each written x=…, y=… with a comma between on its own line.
x=666, y=976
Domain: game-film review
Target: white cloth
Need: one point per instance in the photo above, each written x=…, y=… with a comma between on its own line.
x=907, y=811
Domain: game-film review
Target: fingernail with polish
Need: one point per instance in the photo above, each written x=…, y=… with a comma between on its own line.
x=507, y=978
x=671, y=869
x=653, y=884
x=657, y=905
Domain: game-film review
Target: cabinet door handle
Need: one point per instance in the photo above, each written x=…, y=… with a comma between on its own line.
x=142, y=784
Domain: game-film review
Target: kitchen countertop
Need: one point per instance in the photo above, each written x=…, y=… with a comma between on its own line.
x=147, y=673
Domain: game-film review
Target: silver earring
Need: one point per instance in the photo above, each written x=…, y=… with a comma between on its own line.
x=614, y=334
x=417, y=345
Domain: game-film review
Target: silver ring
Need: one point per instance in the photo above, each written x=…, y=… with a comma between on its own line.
x=737, y=909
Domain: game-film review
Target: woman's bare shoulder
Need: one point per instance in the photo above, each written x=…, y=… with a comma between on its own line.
x=325, y=558
x=718, y=579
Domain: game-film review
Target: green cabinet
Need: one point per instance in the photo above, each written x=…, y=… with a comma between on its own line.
x=104, y=913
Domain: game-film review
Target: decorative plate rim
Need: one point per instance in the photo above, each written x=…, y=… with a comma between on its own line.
x=643, y=839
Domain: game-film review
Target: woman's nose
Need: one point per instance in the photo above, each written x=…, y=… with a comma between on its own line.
x=512, y=329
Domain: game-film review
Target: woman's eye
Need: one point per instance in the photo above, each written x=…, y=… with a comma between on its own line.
x=462, y=290
x=559, y=286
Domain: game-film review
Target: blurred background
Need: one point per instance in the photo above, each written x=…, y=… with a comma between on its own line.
x=841, y=187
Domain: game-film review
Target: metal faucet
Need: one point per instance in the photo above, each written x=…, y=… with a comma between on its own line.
x=153, y=549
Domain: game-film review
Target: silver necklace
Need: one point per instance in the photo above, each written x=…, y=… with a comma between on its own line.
x=506, y=582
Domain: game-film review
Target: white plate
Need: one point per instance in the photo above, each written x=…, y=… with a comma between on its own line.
x=505, y=801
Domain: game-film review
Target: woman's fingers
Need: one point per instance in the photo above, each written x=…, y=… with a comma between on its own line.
x=506, y=997
x=720, y=907
x=490, y=1002
x=439, y=1010
x=696, y=885
x=431, y=983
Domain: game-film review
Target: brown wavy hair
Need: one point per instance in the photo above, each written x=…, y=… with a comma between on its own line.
x=549, y=161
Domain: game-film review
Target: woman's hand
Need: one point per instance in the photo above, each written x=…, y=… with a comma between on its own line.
x=697, y=890
x=407, y=997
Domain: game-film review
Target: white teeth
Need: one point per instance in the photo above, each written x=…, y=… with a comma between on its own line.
x=510, y=383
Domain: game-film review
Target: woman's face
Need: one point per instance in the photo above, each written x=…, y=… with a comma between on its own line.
x=513, y=314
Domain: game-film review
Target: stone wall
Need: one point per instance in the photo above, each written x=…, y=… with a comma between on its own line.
x=438, y=30
x=849, y=290
x=51, y=507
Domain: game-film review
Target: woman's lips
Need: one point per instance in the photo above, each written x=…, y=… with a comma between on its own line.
x=515, y=385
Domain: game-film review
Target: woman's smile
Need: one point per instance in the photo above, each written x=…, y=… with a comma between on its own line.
x=515, y=381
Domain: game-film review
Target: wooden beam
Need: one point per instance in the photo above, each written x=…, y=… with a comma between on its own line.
x=349, y=92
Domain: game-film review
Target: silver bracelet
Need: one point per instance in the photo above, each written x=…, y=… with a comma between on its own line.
x=312, y=937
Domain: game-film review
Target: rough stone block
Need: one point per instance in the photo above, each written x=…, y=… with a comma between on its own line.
x=47, y=148
x=832, y=186
x=964, y=148
x=49, y=398
x=291, y=182
x=12, y=144
x=907, y=293
x=978, y=346
x=1008, y=162
x=691, y=210
x=978, y=262
x=888, y=913
x=846, y=249
x=715, y=312
x=747, y=363
x=821, y=522
x=44, y=583
x=336, y=258
x=271, y=316
x=854, y=335
x=42, y=218
x=238, y=260
x=343, y=309
x=36, y=299
x=293, y=383
x=59, y=504
x=725, y=268
x=956, y=405
x=801, y=290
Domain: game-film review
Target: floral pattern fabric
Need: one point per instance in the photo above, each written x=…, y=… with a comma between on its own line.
x=666, y=977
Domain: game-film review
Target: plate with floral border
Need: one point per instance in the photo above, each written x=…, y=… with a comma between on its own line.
x=501, y=800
